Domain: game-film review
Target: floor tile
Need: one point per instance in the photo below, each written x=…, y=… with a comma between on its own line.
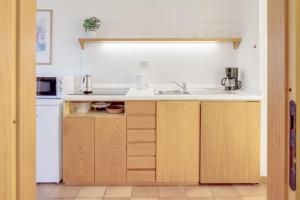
x=251, y=190
x=201, y=198
x=117, y=198
x=92, y=191
x=255, y=198
x=88, y=198
x=118, y=191
x=145, y=192
x=44, y=190
x=171, y=191
x=172, y=198
x=62, y=191
x=228, y=198
x=55, y=198
x=224, y=191
x=142, y=198
x=197, y=191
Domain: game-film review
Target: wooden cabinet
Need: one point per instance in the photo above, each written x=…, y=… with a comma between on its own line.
x=141, y=122
x=94, y=150
x=141, y=162
x=110, y=150
x=141, y=136
x=141, y=176
x=141, y=141
x=141, y=107
x=159, y=143
x=78, y=150
x=230, y=142
x=178, y=138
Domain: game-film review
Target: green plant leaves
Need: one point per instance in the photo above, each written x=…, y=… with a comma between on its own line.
x=91, y=24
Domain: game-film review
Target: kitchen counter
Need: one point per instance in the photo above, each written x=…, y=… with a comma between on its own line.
x=149, y=94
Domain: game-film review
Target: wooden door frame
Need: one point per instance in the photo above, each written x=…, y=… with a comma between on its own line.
x=280, y=59
x=17, y=83
x=277, y=99
x=296, y=76
x=26, y=94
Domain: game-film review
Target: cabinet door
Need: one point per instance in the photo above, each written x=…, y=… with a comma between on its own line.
x=110, y=150
x=178, y=138
x=48, y=146
x=78, y=150
x=230, y=142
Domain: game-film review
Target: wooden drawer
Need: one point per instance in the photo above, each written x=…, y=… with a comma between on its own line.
x=141, y=175
x=141, y=162
x=140, y=135
x=141, y=149
x=141, y=122
x=141, y=107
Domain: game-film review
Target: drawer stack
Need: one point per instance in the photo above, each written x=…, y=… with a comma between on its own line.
x=141, y=141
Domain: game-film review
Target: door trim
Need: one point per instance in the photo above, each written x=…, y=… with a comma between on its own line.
x=277, y=99
x=8, y=101
x=26, y=93
x=297, y=66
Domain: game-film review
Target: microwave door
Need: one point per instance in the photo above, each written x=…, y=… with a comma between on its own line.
x=46, y=86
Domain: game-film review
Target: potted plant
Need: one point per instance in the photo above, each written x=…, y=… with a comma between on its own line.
x=91, y=26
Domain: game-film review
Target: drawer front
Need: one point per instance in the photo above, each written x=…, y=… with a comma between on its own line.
x=141, y=162
x=141, y=107
x=141, y=136
x=141, y=149
x=140, y=175
x=141, y=122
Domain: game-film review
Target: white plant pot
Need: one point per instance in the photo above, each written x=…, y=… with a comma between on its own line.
x=92, y=34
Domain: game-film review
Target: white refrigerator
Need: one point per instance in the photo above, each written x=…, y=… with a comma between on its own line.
x=48, y=140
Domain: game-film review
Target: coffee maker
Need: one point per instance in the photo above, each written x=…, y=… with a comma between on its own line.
x=231, y=81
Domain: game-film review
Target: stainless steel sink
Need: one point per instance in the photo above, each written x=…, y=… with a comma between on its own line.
x=202, y=91
x=169, y=92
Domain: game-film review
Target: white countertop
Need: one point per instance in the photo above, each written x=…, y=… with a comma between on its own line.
x=149, y=94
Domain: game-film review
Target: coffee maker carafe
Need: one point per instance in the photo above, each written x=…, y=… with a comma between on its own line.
x=231, y=81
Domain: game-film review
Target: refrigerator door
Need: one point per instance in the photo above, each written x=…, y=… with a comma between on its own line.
x=48, y=144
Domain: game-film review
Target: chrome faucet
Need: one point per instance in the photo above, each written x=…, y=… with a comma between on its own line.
x=183, y=86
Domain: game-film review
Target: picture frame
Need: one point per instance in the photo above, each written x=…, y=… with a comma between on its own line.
x=44, y=20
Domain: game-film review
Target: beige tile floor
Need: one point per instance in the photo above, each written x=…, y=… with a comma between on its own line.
x=203, y=192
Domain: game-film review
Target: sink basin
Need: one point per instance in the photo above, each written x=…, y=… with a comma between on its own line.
x=169, y=92
x=202, y=91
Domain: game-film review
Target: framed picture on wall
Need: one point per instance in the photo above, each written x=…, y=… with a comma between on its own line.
x=44, y=37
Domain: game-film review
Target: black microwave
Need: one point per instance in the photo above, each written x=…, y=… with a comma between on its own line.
x=48, y=87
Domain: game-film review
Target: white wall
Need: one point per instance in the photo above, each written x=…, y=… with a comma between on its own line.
x=263, y=76
x=116, y=63
x=248, y=59
x=252, y=61
x=194, y=63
